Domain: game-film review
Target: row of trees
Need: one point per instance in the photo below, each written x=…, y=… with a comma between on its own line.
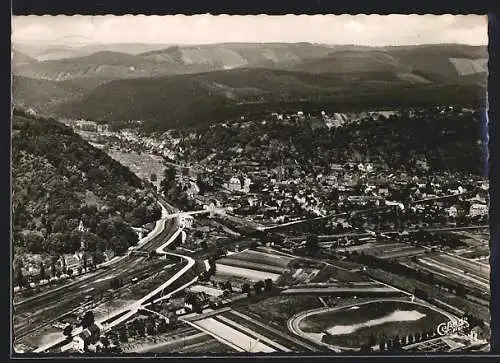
x=258, y=287
x=57, y=267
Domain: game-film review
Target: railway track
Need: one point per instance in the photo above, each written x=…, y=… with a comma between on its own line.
x=47, y=307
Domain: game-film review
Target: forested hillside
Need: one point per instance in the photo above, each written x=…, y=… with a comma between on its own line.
x=58, y=180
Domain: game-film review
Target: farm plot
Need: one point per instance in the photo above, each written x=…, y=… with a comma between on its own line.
x=465, y=66
x=228, y=261
x=479, y=269
x=207, y=290
x=406, y=251
x=278, y=309
x=330, y=274
x=249, y=274
x=143, y=165
x=257, y=258
x=253, y=265
x=449, y=269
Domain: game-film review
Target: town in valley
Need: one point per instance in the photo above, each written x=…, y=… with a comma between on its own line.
x=241, y=208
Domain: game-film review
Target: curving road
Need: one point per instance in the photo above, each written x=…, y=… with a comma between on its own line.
x=128, y=311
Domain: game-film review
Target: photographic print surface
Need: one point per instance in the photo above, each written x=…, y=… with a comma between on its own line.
x=249, y=184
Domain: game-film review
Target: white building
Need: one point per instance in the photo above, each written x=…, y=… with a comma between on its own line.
x=453, y=212
x=234, y=184
x=478, y=210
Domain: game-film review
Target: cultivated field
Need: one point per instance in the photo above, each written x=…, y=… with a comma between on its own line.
x=465, y=66
x=278, y=309
x=143, y=165
x=266, y=260
x=253, y=265
x=249, y=274
x=454, y=271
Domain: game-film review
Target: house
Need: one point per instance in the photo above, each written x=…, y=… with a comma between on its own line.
x=383, y=192
x=87, y=337
x=109, y=254
x=140, y=232
x=452, y=212
x=234, y=184
x=71, y=261
x=195, y=301
x=477, y=209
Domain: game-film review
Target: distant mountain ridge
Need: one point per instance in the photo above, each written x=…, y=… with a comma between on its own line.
x=205, y=97
x=414, y=63
x=179, y=84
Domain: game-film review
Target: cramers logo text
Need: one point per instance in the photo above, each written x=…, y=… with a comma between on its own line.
x=452, y=326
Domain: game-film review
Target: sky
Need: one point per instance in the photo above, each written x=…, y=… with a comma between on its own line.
x=373, y=30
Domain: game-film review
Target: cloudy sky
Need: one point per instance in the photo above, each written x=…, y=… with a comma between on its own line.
x=373, y=30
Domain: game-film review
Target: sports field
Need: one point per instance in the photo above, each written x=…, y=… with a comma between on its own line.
x=354, y=325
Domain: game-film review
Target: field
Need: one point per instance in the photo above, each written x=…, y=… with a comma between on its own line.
x=266, y=260
x=143, y=165
x=335, y=275
x=278, y=309
x=253, y=265
x=228, y=261
x=464, y=272
x=353, y=326
x=409, y=284
x=249, y=274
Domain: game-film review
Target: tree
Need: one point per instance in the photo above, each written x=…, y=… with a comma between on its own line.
x=162, y=326
x=87, y=319
x=268, y=285
x=372, y=340
x=140, y=326
x=105, y=341
x=57, y=243
x=150, y=327
x=53, y=269
x=60, y=225
x=118, y=245
x=34, y=242
x=213, y=266
x=97, y=258
x=245, y=288
x=68, y=329
x=42, y=271
x=19, y=275
x=85, y=262
x=312, y=244
x=123, y=334
x=258, y=286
